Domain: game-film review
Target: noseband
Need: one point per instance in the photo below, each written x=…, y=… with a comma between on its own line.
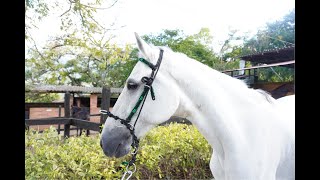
x=147, y=87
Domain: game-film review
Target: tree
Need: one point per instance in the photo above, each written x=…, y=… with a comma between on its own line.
x=278, y=34
x=76, y=61
x=82, y=54
x=39, y=97
x=197, y=46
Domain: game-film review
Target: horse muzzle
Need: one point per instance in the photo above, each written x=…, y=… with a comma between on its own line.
x=116, y=143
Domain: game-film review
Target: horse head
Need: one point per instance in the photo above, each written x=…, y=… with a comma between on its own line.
x=158, y=105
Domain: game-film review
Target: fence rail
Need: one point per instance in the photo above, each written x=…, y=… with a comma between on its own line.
x=48, y=121
x=79, y=123
x=68, y=121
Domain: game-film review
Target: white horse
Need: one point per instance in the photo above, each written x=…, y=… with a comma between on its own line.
x=252, y=134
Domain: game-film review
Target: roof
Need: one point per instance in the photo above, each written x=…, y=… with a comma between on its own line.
x=71, y=89
x=271, y=56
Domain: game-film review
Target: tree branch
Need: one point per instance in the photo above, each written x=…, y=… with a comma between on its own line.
x=34, y=44
x=95, y=21
x=58, y=45
x=68, y=9
x=92, y=40
x=101, y=8
x=82, y=20
x=74, y=81
x=88, y=71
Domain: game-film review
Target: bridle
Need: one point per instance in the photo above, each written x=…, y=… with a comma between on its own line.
x=147, y=87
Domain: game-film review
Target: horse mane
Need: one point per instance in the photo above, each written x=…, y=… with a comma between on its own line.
x=265, y=94
x=166, y=48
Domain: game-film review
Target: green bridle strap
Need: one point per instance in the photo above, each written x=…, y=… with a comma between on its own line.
x=142, y=96
x=147, y=63
x=148, y=86
x=145, y=91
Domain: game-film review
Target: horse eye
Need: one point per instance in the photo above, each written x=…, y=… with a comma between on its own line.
x=132, y=85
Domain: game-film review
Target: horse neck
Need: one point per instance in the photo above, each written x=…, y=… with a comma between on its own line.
x=211, y=100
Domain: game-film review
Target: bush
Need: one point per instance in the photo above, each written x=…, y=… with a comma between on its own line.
x=176, y=151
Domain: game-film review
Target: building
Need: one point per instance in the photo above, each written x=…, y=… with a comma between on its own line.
x=87, y=97
x=267, y=59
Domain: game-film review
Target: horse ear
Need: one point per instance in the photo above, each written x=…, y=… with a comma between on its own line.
x=144, y=48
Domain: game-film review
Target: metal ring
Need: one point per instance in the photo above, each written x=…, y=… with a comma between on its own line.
x=135, y=151
x=135, y=168
x=125, y=174
x=131, y=127
x=144, y=79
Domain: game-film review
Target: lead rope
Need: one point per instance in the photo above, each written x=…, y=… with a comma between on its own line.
x=135, y=141
x=134, y=145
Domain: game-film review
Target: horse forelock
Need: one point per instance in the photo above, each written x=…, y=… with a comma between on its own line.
x=165, y=48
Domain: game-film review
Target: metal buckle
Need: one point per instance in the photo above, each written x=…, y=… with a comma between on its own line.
x=147, y=86
x=131, y=127
x=129, y=172
x=104, y=112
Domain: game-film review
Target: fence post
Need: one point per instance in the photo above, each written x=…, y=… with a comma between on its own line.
x=67, y=113
x=59, y=128
x=255, y=74
x=105, y=103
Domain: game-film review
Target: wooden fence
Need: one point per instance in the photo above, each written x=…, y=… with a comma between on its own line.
x=251, y=73
x=68, y=121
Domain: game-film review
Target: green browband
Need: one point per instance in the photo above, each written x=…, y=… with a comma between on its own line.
x=147, y=63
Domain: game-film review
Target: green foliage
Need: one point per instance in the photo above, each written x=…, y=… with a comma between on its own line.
x=49, y=156
x=72, y=13
x=276, y=34
x=78, y=61
x=40, y=97
x=197, y=46
x=82, y=55
x=176, y=151
x=41, y=10
x=283, y=74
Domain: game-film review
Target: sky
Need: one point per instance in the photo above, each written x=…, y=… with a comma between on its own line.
x=152, y=16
